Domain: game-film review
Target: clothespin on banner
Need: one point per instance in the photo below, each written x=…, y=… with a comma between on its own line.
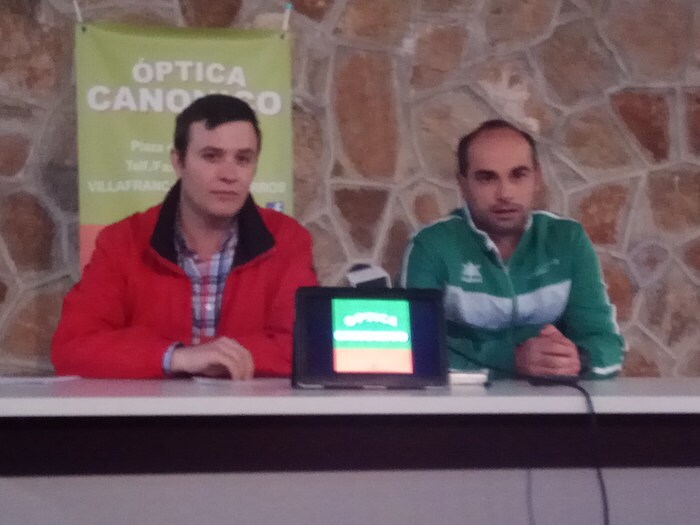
x=78, y=13
x=285, y=18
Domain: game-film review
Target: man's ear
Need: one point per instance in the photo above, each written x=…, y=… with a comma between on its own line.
x=462, y=183
x=175, y=161
x=539, y=181
x=541, y=195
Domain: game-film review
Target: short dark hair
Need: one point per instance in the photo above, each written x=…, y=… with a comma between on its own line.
x=490, y=125
x=214, y=110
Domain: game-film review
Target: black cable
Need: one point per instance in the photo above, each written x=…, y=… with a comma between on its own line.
x=595, y=450
x=528, y=497
x=570, y=381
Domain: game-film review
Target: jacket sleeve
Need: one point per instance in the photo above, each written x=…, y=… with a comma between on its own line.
x=94, y=338
x=272, y=347
x=589, y=318
x=421, y=268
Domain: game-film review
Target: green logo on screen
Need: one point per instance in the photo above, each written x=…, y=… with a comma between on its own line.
x=372, y=336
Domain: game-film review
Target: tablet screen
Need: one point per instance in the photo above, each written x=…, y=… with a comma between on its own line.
x=356, y=337
x=372, y=336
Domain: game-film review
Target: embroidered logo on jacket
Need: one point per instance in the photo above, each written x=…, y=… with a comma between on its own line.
x=544, y=267
x=471, y=273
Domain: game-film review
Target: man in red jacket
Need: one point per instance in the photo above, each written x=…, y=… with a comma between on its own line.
x=202, y=284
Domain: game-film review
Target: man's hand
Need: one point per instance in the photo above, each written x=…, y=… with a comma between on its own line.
x=548, y=354
x=221, y=357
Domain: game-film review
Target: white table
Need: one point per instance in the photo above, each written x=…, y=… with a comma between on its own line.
x=113, y=426
x=275, y=397
x=262, y=452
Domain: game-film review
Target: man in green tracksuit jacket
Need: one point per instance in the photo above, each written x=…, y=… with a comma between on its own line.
x=523, y=289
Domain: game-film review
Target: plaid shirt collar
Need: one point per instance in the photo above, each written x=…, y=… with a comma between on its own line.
x=183, y=250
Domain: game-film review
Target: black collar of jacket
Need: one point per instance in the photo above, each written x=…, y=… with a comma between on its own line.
x=253, y=236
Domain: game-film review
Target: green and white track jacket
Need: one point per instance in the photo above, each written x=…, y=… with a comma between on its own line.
x=553, y=277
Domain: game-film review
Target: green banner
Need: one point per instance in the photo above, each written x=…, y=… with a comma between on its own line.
x=133, y=81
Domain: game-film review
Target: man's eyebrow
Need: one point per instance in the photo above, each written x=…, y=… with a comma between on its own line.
x=247, y=151
x=521, y=168
x=217, y=149
x=211, y=148
x=485, y=173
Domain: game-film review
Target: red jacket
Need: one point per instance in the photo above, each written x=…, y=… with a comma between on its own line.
x=134, y=301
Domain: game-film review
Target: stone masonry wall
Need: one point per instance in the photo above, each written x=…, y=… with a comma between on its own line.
x=383, y=90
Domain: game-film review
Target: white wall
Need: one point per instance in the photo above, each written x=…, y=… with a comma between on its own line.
x=489, y=497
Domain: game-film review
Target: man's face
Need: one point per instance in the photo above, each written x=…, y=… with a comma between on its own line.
x=501, y=182
x=217, y=169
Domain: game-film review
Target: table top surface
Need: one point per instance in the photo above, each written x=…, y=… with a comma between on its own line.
x=276, y=397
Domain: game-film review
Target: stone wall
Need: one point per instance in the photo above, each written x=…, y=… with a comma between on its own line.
x=383, y=89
